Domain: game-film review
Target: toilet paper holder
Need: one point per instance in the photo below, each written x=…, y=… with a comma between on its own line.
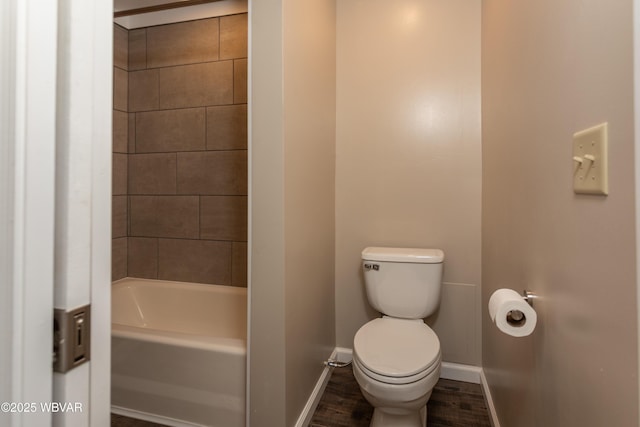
x=529, y=296
x=517, y=317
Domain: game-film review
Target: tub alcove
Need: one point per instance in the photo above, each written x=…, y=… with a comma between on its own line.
x=180, y=195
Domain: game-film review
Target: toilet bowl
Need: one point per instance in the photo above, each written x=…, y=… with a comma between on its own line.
x=397, y=357
x=396, y=363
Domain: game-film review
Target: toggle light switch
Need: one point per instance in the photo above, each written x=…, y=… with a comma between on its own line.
x=590, y=155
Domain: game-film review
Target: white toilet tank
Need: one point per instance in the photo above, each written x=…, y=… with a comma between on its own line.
x=403, y=282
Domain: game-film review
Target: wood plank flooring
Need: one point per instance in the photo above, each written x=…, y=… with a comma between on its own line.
x=121, y=421
x=452, y=404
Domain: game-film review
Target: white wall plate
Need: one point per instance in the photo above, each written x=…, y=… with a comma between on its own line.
x=590, y=174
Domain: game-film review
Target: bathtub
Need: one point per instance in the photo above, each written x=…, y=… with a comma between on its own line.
x=179, y=352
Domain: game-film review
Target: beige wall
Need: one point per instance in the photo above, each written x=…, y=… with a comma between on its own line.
x=266, y=341
x=550, y=69
x=292, y=195
x=408, y=153
x=309, y=186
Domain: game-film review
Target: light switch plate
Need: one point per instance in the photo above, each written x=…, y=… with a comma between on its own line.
x=590, y=174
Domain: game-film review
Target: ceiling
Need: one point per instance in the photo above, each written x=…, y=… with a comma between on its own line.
x=193, y=9
x=120, y=5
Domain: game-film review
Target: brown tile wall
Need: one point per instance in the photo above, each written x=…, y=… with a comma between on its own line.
x=180, y=152
x=119, y=203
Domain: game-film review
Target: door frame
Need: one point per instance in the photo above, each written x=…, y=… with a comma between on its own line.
x=27, y=166
x=83, y=199
x=32, y=108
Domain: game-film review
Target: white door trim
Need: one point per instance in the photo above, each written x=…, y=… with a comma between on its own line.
x=83, y=199
x=29, y=80
x=27, y=162
x=100, y=385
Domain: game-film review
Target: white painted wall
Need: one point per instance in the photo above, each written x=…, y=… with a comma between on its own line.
x=408, y=161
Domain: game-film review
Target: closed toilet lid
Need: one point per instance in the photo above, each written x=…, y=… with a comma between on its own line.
x=396, y=347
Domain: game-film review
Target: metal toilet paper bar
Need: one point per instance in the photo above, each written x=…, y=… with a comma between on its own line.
x=529, y=296
x=516, y=317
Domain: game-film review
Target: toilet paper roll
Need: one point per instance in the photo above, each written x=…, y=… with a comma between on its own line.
x=511, y=313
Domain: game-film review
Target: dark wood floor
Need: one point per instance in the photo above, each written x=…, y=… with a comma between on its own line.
x=120, y=421
x=452, y=404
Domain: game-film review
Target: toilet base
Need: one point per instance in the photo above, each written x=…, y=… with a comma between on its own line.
x=397, y=405
x=385, y=417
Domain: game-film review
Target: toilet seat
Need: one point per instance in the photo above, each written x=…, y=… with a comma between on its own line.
x=396, y=351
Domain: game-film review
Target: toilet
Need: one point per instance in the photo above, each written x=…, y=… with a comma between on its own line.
x=396, y=358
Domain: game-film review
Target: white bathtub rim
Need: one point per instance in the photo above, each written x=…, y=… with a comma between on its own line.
x=158, y=419
x=226, y=345
x=169, y=283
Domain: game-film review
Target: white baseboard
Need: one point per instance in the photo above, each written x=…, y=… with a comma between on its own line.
x=343, y=354
x=471, y=374
x=312, y=403
x=493, y=415
x=152, y=418
x=459, y=372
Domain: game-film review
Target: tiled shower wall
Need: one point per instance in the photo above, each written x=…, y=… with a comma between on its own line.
x=119, y=214
x=180, y=152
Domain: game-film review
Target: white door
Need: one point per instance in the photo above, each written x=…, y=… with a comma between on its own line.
x=55, y=205
x=27, y=127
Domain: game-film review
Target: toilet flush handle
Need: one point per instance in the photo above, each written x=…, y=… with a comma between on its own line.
x=371, y=266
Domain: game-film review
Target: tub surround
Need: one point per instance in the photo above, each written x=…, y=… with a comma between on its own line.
x=119, y=202
x=180, y=151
